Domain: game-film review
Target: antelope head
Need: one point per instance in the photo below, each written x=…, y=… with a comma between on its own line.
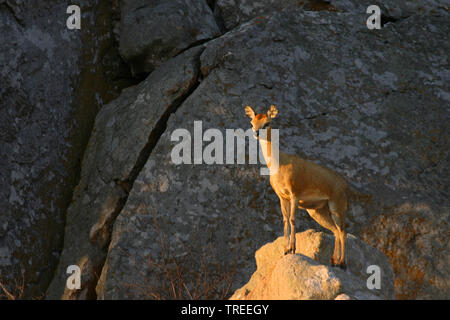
x=262, y=120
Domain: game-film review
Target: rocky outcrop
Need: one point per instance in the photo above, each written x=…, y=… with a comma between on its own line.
x=348, y=97
x=307, y=275
x=52, y=83
x=370, y=104
x=152, y=32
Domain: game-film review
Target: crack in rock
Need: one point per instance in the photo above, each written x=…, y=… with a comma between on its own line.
x=125, y=133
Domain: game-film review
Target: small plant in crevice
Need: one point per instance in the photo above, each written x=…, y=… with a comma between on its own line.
x=15, y=293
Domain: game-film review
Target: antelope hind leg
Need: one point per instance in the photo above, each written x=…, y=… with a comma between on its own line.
x=293, y=207
x=338, y=210
x=323, y=217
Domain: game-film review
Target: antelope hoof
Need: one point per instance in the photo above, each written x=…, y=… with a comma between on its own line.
x=288, y=251
x=343, y=266
x=292, y=249
x=332, y=263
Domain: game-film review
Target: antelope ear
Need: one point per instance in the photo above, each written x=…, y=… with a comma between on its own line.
x=249, y=112
x=272, y=113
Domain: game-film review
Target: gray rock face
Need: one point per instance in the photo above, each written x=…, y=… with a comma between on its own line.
x=368, y=104
x=50, y=92
x=307, y=275
x=154, y=31
x=125, y=131
x=416, y=242
x=235, y=12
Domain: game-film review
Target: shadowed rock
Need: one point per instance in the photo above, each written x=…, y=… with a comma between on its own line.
x=124, y=134
x=53, y=81
x=153, y=31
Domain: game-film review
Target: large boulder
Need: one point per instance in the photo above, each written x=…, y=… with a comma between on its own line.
x=52, y=83
x=370, y=104
x=307, y=275
x=153, y=31
x=124, y=134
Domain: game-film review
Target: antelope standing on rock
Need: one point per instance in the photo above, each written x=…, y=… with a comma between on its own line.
x=306, y=185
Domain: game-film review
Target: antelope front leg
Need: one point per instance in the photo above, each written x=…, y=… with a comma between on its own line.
x=293, y=205
x=285, y=210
